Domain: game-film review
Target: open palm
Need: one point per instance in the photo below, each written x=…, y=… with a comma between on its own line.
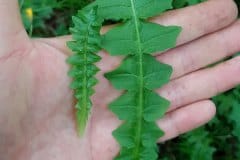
x=37, y=107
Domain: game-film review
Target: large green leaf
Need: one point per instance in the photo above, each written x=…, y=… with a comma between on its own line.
x=140, y=73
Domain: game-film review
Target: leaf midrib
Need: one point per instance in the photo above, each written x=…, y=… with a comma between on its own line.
x=140, y=101
x=84, y=111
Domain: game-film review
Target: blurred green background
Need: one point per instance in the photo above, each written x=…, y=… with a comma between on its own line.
x=218, y=140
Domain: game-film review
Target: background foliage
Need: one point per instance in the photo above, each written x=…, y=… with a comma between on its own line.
x=218, y=140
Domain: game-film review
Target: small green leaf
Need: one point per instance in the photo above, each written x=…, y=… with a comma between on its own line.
x=85, y=45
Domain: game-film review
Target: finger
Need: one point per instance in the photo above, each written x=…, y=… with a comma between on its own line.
x=194, y=20
x=11, y=29
x=202, y=84
x=173, y=124
x=10, y=17
x=200, y=19
x=204, y=51
x=186, y=118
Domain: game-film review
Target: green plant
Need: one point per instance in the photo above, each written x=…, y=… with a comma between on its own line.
x=35, y=12
x=139, y=74
x=49, y=17
x=217, y=135
x=86, y=36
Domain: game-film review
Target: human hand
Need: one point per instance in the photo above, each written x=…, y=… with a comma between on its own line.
x=36, y=104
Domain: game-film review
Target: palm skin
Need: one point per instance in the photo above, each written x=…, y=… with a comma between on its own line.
x=42, y=106
x=37, y=107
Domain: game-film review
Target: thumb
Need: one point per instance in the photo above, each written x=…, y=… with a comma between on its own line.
x=12, y=32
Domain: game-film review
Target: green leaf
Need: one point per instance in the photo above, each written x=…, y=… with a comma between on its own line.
x=125, y=134
x=149, y=153
x=139, y=74
x=128, y=70
x=148, y=149
x=154, y=38
x=155, y=74
x=200, y=142
x=126, y=106
x=235, y=117
x=85, y=45
x=122, y=9
x=156, y=106
x=150, y=135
